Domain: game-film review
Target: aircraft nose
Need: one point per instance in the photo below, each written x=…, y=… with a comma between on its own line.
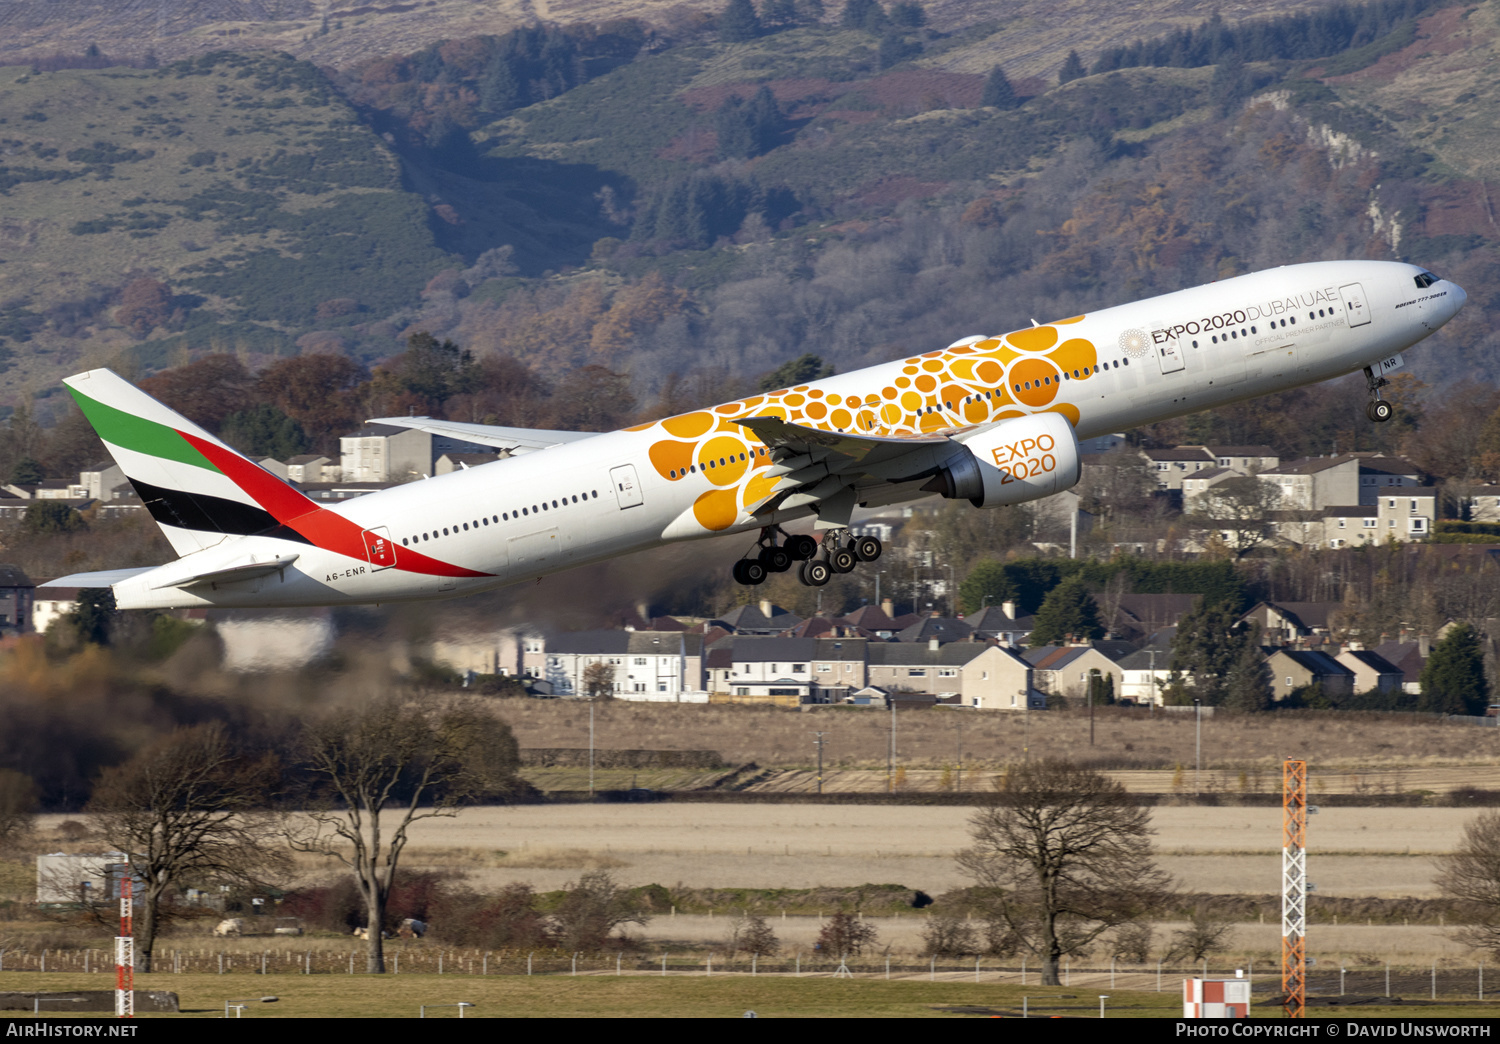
x=1459, y=298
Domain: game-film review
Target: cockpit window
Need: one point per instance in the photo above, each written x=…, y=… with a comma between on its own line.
x=1425, y=280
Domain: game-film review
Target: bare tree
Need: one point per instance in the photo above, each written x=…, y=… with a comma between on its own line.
x=1061, y=857
x=599, y=680
x=591, y=909
x=1472, y=876
x=1239, y=510
x=183, y=811
x=17, y=803
x=846, y=935
x=391, y=763
x=1203, y=935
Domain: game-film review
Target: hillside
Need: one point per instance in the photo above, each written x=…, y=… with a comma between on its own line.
x=1031, y=34
x=691, y=212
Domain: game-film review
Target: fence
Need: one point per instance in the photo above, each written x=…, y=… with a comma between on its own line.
x=1404, y=981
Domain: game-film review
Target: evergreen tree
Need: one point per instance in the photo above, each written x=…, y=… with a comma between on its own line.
x=738, y=22
x=27, y=472
x=907, y=15
x=1208, y=647
x=1247, y=687
x=998, y=92
x=801, y=370
x=1072, y=69
x=264, y=430
x=748, y=129
x=1453, y=680
x=1068, y=610
x=499, y=90
x=987, y=584
x=864, y=14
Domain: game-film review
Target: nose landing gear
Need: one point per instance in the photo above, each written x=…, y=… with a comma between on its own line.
x=1378, y=410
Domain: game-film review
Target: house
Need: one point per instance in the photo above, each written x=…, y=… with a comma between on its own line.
x=1285, y=622
x=1315, y=483
x=1245, y=460
x=1484, y=504
x=1000, y=623
x=1066, y=670
x=312, y=467
x=385, y=453
x=1378, y=476
x=649, y=666
x=1372, y=672
x=1171, y=466
x=90, y=878
x=16, y=595
x=1196, y=487
x=980, y=674
x=451, y=462
x=761, y=618
x=1293, y=669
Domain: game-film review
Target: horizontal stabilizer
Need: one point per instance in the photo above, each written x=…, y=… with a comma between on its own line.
x=103, y=578
x=231, y=574
x=516, y=440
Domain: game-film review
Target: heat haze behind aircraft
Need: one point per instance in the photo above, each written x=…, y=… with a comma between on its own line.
x=992, y=420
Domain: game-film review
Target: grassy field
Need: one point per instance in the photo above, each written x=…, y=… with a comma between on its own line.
x=678, y=996
x=1348, y=753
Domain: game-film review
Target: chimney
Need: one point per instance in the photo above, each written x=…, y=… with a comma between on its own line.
x=1424, y=645
x=933, y=644
x=1009, y=609
x=765, y=608
x=888, y=607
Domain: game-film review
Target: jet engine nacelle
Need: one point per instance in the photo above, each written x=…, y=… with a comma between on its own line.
x=1017, y=460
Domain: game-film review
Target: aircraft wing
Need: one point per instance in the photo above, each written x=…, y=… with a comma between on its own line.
x=516, y=440
x=827, y=470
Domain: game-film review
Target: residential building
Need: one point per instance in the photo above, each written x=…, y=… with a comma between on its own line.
x=16, y=595
x=1316, y=483
x=1372, y=672
x=312, y=467
x=1171, y=466
x=980, y=674
x=1293, y=669
x=648, y=665
x=1287, y=622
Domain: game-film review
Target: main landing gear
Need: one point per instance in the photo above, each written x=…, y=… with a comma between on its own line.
x=1378, y=410
x=839, y=553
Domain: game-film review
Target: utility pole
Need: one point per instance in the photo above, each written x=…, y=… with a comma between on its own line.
x=890, y=757
x=1197, y=746
x=819, y=742
x=958, y=784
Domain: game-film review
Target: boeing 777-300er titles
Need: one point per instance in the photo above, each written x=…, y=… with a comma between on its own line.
x=991, y=420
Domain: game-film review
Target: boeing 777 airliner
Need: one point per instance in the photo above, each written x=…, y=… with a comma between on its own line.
x=991, y=420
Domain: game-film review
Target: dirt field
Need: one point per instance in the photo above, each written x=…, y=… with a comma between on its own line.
x=1384, y=852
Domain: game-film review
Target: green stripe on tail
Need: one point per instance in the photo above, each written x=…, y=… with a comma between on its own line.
x=139, y=434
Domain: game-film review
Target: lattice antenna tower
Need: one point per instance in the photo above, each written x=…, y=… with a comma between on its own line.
x=125, y=951
x=1294, y=887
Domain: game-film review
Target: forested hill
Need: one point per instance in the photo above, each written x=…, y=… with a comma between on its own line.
x=685, y=204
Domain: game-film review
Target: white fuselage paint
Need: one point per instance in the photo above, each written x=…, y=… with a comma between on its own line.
x=600, y=525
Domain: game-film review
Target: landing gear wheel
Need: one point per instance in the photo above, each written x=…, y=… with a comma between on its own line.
x=775, y=559
x=842, y=560
x=1380, y=411
x=815, y=573
x=801, y=547
x=867, y=548
x=749, y=571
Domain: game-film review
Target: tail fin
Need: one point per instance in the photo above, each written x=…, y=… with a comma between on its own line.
x=198, y=489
